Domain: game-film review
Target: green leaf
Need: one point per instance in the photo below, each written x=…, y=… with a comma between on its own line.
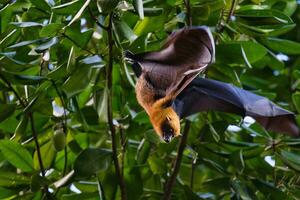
x=281, y=45
x=92, y=161
x=23, y=79
x=6, y=193
x=25, y=43
x=123, y=31
x=26, y=24
x=231, y=52
x=153, y=11
x=41, y=4
x=79, y=13
x=45, y=46
x=138, y=6
x=149, y=24
x=47, y=155
x=106, y=6
x=157, y=165
x=263, y=22
x=101, y=104
x=269, y=190
x=296, y=100
x=50, y=30
x=78, y=81
x=38, y=182
x=270, y=15
x=6, y=110
x=21, y=128
x=78, y=38
x=68, y=8
x=292, y=157
x=17, y=155
x=237, y=160
x=296, y=74
x=241, y=189
x=11, y=179
x=86, y=196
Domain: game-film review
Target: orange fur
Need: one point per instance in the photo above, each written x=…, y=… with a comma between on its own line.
x=155, y=109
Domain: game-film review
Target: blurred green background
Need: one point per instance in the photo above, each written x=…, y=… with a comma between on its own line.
x=68, y=110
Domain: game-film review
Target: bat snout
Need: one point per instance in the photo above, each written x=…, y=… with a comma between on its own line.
x=168, y=137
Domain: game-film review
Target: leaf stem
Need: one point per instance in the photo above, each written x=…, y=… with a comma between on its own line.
x=109, y=110
x=170, y=182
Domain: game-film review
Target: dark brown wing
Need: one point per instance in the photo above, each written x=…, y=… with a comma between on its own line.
x=188, y=46
x=185, y=54
x=205, y=94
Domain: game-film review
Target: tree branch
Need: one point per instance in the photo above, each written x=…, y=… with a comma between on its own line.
x=123, y=145
x=221, y=25
x=170, y=182
x=189, y=21
x=110, y=111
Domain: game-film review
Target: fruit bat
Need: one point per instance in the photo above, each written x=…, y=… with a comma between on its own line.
x=167, y=87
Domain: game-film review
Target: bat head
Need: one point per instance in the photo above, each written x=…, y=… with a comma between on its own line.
x=165, y=120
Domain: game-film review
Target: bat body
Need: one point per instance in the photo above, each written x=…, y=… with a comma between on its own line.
x=167, y=87
x=165, y=73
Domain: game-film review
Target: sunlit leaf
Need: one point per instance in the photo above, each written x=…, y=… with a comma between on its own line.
x=17, y=155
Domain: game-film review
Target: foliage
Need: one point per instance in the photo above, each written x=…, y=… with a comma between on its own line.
x=62, y=75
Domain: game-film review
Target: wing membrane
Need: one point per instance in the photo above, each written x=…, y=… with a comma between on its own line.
x=205, y=94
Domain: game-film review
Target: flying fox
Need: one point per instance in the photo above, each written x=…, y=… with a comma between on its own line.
x=168, y=86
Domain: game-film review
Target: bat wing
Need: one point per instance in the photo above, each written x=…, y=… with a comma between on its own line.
x=185, y=54
x=188, y=46
x=205, y=94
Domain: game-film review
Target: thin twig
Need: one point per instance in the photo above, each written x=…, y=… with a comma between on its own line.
x=96, y=19
x=170, y=182
x=109, y=111
x=23, y=104
x=221, y=25
x=66, y=36
x=34, y=135
x=193, y=173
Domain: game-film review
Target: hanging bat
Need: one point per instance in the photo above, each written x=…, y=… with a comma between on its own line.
x=167, y=89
